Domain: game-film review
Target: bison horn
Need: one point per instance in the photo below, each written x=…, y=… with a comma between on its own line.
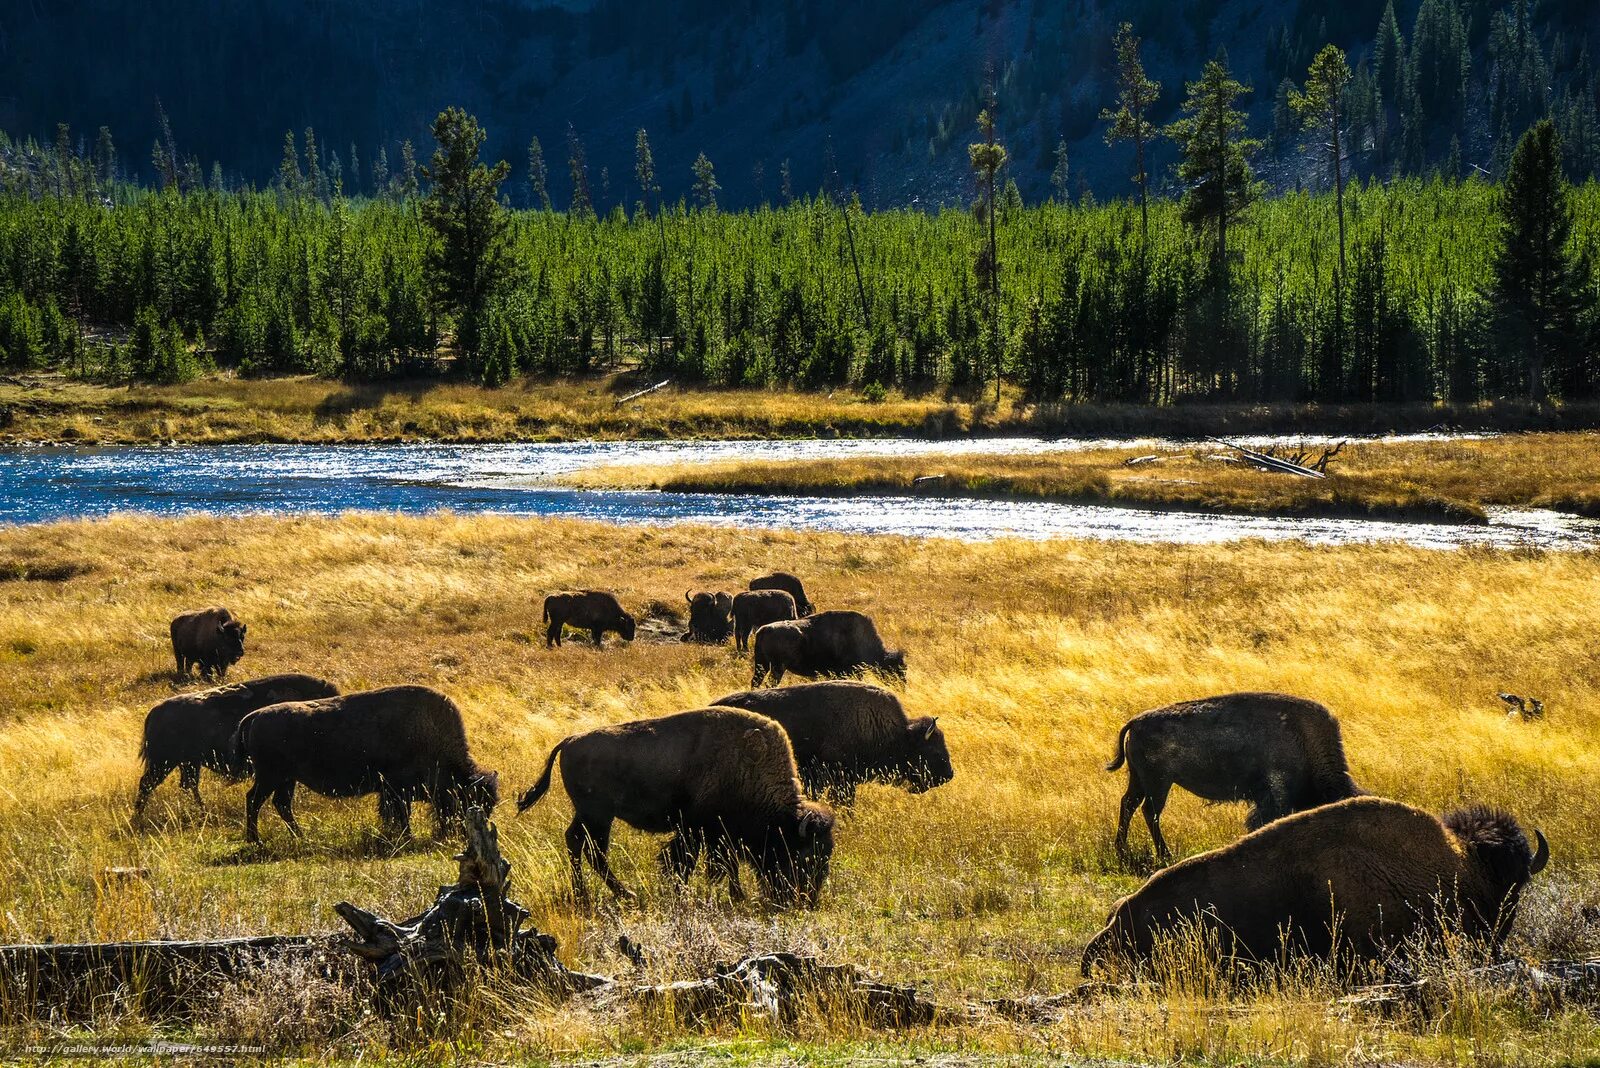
x=1541, y=856
x=688, y=598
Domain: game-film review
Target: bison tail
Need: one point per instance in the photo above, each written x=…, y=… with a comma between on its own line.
x=1122, y=748
x=238, y=746
x=542, y=787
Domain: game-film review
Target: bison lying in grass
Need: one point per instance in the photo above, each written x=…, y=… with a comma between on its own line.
x=754, y=609
x=710, y=617
x=590, y=610
x=1282, y=754
x=718, y=779
x=828, y=643
x=848, y=733
x=1356, y=878
x=403, y=743
x=210, y=639
x=192, y=731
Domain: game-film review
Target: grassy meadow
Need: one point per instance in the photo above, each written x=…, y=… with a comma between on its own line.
x=1032, y=653
x=1448, y=480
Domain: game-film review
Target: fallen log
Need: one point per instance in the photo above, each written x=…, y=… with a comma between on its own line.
x=1272, y=463
x=648, y=389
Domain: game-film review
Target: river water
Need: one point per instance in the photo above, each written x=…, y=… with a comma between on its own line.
x=40, y=484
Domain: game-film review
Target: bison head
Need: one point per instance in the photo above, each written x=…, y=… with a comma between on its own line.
x=794, y=861
x=894, y=664
x=627, y=627
x=710, y=617
x=927, y=759
x=230, y=640
x=1504, y=862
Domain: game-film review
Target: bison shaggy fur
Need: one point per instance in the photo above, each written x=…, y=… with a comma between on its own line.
x=1353, y=879
x=848, y=733
x=592, y=610
x=210, y=639
x=403, y=743
x=782, y=580
x=827, y=643
x=718, y=779
x=1282, y=754
x=192, y=730
x=710, y=617
x=754, y=609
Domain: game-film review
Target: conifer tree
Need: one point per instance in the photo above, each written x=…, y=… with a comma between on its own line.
x=380, y=173
x=538, y=176
x=406, y=185
x=987, y=157
x=1389, y=54
x=1060, y=177
x=1136, y=95
x=582, y=203
x=472, y=253
x=705, y=183
x=316, y=182
x=1216, y=154
x=290, y=179
x=1322, y=114
x=644, y=169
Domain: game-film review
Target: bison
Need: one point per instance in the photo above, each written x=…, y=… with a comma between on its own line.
x=782, y=580
x=848, y=733
x=192, y=731
x=754, y=609
x=709, y=617
x=590, y=610
x=210, y=639
x=1357, y=877
x=1282, y=754
x=403, y=743
x=827, y=643
x=719, y=779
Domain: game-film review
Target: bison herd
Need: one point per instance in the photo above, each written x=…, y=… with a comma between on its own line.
x=1325, y=869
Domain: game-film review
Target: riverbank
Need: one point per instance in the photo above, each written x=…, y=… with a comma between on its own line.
x=990, y=886
x=304, y=409
x=1453, y=481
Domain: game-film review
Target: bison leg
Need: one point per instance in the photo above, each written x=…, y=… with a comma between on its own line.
x=1130, y=803
x=552, y=634
x=189, y=779
x=741, y=637
x=283, y=801
x=1155, y=800
x=259, y=791
x=680, y=855
x=722, y=862
x=599, y=635
x=394, y=814
x=590, y=839
x=153, y=776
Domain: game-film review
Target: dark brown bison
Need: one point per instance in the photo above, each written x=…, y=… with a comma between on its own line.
x=590, y=610
x=754, y=609
x=403, y=743
x=848, y=733
x=782, y=580
x=709, y=617
x=1357, y=877
x=828, y=643
x=210, y=639
x=192, y=731
x=719, y=779
x=1282, y=754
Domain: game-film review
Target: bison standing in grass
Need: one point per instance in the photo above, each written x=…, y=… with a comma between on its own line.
x=1359, y=878
x=192, y=731
x=718, y=779
x=848, y=733
x=210, y=639
x=754, y=609
x=590, y=610
x=403, y=743
x=1282, y=754
x=828, y=643
x=782, y=580
x=710, y=617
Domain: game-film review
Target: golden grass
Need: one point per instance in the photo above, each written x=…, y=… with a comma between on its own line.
x=1032, y=653
x=218, y=409
x=1443, y=480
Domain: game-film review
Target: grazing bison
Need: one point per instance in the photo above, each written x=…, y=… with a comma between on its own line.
x=828, y=643
x=1356, y=877
x=782, y=580
x=590, y=610
x=754, y=609
x=210, y=639
x=721, y=779
x=403, y=743
x=192, y=730
x=709, y=617
x=1282, y=754
x=848, y=733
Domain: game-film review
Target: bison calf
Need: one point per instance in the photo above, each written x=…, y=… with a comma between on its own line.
x=210, y=639
x=709, y=617
x=848, y=733
x=754, y=609
x=721, y=779
x=403, y=743
x=827, y=643
x=590, y=610
x=1361, y=876
x=192, y=731
x=782, y=580
x=1282, y=754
